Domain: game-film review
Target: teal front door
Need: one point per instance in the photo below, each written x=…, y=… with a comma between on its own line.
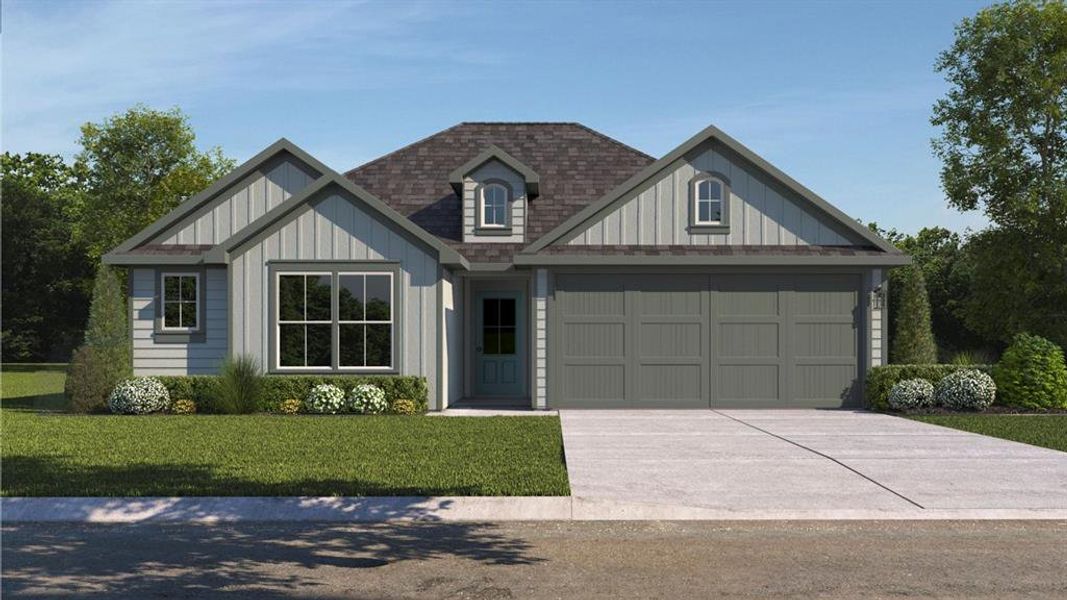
x=500, y=347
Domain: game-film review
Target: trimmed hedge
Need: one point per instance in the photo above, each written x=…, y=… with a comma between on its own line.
x=278, y=388
x=1032, y=374
x=880, y=380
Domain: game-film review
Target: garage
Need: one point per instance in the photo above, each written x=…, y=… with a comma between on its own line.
x=705, y=340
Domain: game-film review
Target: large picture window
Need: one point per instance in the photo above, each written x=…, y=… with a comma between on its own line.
x=181, y=298
x=334, y=320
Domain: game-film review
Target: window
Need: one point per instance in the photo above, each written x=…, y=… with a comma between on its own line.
x=708, y=197
x=494, y=211
x=365, y=316
x=181, y=300
x=334, y=320
x=498, y=326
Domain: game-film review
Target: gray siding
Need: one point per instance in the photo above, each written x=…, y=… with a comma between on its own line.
x=540, y=338
x=193, y=358
x=453, y=331
x=760, y=212
x=335, y=230
x=235, y=208
x=494, y=170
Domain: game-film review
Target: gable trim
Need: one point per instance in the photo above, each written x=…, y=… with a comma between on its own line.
x=213, y=191
x=606, y=203
x=494, y=152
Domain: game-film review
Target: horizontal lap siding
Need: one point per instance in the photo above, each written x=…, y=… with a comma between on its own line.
x=194, y=358
x=760, y=212
x=336, y=230
x=236, y=208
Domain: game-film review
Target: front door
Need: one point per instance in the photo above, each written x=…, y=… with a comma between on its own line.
x=500, y=351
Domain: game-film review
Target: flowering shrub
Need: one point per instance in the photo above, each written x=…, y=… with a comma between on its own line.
x=290, y=406
x=967, y=390
x=403, y=406
x=325, y=398
x=367, y=399
x=184, y=406
x=911, y=393
x=138, y=396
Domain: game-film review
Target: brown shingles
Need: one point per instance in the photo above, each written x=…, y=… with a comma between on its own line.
x=676, y=250
x=172, y=249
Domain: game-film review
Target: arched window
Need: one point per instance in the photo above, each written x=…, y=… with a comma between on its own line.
x=709, y=194
x=494, y=209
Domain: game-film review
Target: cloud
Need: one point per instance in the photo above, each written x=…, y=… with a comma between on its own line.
x=65, y=63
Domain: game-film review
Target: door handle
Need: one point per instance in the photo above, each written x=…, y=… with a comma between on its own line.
x=478, y=349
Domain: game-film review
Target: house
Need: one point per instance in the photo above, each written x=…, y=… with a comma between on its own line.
x=542, y=263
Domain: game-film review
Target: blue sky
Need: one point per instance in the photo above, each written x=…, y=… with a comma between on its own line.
x=837, y=94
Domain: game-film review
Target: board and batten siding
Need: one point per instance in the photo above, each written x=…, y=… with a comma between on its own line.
x=336, y=230
x=238, y=207
x=760, y=213
x=452, y=319
x=192, y=358
x=494, y=170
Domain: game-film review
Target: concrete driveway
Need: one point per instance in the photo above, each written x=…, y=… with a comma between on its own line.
x=803, y=461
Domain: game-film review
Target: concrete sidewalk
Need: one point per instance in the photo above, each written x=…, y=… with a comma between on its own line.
x=444, y=509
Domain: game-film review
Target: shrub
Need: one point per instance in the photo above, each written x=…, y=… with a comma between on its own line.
x=968, y=389
x=913, y=339
x=239, y=386
x=403, y=406
x=911, y=393
x=291, y=406
x=880, y=380
x=91, y=377
x=1032, y=374
x=325, y=398
x=139, y=396
x=184, y=407
x=367, y=399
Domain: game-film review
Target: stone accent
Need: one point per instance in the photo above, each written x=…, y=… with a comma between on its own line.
x=540, y=303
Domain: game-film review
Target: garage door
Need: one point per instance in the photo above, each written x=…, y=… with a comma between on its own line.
x=686, y=341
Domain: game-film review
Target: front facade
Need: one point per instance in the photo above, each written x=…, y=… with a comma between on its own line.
x=535, y=264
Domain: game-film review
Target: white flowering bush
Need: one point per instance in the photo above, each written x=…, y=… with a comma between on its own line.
x=138, y=396
x=325, y=398
x=368, y=399
x=969, y=389
x=911, y=393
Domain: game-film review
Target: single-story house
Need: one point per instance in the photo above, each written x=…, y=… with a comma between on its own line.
x=545, y=264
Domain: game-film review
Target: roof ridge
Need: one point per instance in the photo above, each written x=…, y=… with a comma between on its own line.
x=614, y=141
x=421, y=140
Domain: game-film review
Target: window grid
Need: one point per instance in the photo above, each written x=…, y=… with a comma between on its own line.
x=195, y=302
x=708, y=204
x=366, y=321
x=305, y=321
x=494, y=205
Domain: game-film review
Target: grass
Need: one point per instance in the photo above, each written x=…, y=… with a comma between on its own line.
x=1048, y=431
x=46, y=453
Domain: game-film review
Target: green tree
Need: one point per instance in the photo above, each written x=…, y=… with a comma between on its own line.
x=1003, y=145
x=45, y=273
x=913, y=339
x=105, y=358
x=136, y=167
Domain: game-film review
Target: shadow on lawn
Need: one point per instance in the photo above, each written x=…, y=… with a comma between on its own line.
x=274, y=560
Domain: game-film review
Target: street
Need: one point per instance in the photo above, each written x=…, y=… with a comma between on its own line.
x=539, y=560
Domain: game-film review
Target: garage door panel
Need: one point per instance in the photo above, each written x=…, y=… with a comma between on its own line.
x=824, y=339
x=671, y=385
x=670, y=340
x=741, y=383
x=595, y=340
x=743, y=339
x=735, y=300
x=588, y=385
x=824, y=385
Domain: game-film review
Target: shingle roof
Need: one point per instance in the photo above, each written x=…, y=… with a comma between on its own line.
x=678, y=250
x=576, y=164
x=172, y=249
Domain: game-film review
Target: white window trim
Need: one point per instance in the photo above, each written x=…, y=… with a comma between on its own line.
x=278, y=322
x=163, y=302
x=481, y=206
x=390, y=322
x=696, y=201
x=333, y=322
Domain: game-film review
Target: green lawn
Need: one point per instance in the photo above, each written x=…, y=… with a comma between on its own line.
x=46, y=453
x=1049, y=431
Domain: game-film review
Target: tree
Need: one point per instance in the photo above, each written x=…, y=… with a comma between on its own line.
x=913, y=339
x=45, y=273
x=136, y=167
x=105, y=358
x=1003, y=145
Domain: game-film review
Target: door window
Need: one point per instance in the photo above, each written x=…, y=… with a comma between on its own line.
x=498, y=326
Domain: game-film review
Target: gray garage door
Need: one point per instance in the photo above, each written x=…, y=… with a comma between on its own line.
x=681, y=341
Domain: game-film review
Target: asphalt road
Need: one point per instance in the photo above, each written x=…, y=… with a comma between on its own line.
x=539, y=560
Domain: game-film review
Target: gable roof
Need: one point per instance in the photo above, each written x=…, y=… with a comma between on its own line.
x=494, y=152
x=575, y=164
x=608, y=202
x=135, y=251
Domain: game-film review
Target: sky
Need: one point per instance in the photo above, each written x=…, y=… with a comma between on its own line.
x=837, y=94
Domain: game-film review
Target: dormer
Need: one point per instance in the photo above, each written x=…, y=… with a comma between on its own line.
x=495, y=188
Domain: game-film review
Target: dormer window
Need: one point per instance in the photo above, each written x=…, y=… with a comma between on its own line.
x=494, y=206
x=709, y=206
